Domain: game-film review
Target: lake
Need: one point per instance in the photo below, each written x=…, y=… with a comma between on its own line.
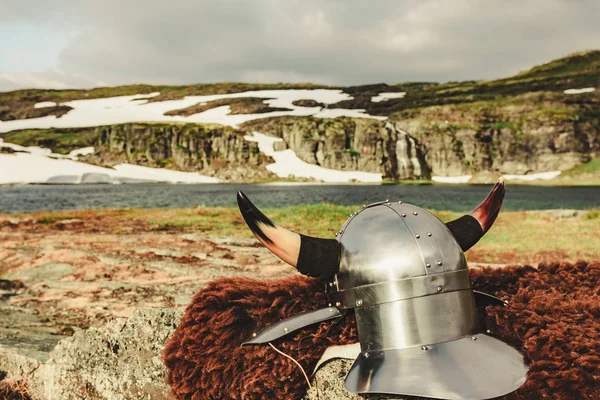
x=440, y=197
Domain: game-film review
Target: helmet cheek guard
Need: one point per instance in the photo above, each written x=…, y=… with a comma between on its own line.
x=404, y=273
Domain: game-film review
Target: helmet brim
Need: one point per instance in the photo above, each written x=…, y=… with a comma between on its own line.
x=473, y=367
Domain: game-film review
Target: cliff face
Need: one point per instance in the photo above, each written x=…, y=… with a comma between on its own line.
x=348, y=144
x=530, y=133
x=208, y=149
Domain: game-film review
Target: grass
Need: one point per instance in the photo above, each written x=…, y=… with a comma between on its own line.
x=60, y=141
x=517, y=237
x=576, y=70
x=591, y=167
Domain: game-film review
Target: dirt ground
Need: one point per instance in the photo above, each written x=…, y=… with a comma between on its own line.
x=69, y=275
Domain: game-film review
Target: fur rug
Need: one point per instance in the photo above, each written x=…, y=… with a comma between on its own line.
x=553, y=319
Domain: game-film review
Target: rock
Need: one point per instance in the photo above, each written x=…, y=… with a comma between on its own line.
x=561, y=214
x=279, y=146
x=95, y=178
x=328, y=384
x=211, y=150
x=69, y=223
x=120, y=360
x=63, y=180
x=46, y=272
x=527, y=133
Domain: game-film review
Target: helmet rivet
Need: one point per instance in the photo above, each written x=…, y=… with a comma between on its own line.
x=424, y=348
x=286, y=330
x=364, y=206
x=387, y=200
x=428, y=265
x=415, y=213
x=417, y=236
x=439, y=288
x=331, y=310
x=337, y=304
x=473, y=337
x=488, y=331
x=254, y=334
x=404, y=215
x=329, y=305
x=439, y=263
x=399, y=201
x=359, y=303
x=366, y=355
x=428, y=233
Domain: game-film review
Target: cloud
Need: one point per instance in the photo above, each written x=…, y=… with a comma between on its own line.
x=332, y=42
x=49, y=80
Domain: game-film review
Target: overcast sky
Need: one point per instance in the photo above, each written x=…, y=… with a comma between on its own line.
x=84, y=43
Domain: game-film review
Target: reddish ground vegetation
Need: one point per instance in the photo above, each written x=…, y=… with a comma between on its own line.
x=11, y=389
x=553, y=319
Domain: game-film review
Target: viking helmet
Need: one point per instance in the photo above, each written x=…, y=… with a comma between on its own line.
x=404, y=273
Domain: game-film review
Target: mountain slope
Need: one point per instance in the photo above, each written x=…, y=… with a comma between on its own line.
x=535, y=121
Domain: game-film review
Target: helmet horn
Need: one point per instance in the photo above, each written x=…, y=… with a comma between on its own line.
x=468, y=229
x=310, y=256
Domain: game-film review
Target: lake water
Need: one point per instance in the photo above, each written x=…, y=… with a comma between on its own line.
x=440, y=197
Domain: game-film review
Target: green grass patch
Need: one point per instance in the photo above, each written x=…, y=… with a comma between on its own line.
x=591, y=167
x=57, y=140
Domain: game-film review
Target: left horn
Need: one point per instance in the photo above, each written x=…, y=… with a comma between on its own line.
x=468, y=229
x=310, y=256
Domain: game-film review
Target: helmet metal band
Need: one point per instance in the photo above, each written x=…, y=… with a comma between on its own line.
x=417, y=321
x=403, y=289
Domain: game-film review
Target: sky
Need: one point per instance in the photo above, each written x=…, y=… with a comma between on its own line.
x=80, y=44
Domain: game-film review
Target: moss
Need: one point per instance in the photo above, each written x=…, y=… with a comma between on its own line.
x=60, y=141
x=503, y=125
x=352, y=152
x=457, y=148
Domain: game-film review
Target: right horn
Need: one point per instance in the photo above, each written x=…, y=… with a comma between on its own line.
x=468, y=229
x=311, y=256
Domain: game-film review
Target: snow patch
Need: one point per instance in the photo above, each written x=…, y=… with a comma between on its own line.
x=578, y=91
x=160, y=175
x=385, y=96
x=126, y=109
x=38, y=165
x=532, y=177
x=44, y=104
x=452, y=179
x=287, y=163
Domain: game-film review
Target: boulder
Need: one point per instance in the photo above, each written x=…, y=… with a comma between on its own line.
x=328, y=383
x=120, y=360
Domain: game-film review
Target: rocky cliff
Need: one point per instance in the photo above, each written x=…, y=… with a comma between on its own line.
x=348, y=144
x=538, y=120
x=535, y=132
x=212, y=150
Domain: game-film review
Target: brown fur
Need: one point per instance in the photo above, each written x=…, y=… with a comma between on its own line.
x=553, y=319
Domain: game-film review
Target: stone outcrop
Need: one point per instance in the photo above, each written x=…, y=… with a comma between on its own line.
x=530, y=133
x=212, y=150
x=118, y=361
x=328, y=384
x=536, y=132
x=348, y=144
